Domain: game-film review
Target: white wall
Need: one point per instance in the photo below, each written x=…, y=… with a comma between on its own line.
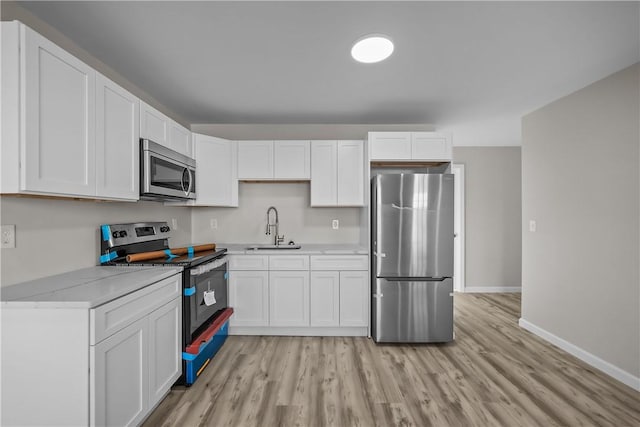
x=493, y=216
x=580, y=181
x=298, y=221
x=56, y=236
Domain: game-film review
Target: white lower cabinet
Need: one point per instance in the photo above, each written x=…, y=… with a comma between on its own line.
x=133, y=369
x=325, y=298
x=249, y=297
x=289, y=298
x=120, y=377
x=299, y=294
x=354, y=301
x=165, y=336
x=107, y=365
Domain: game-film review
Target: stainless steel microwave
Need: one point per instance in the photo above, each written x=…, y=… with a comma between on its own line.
x=165, y=174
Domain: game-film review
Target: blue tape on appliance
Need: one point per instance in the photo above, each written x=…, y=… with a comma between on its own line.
x=108, y=257
x=195, y=363
x=106, y=232
x=226, y=276
x=190, y=251
x=189, y=291
x=169, y=254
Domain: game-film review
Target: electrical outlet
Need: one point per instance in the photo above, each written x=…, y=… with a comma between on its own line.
x=8, y=233
x=335, y=224
x=213, y=224
x=174, y=224
x=532, y=226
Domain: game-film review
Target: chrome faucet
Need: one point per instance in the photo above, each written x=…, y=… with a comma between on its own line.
x=276, y=239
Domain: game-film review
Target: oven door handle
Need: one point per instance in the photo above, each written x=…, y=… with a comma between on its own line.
x=205, y=268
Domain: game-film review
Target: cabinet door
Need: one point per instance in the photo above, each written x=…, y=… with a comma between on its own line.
x=249, y=298
x=165, y=344
x=255, y=159
x=324, y=298
x=119, y=385
x=117, y=141
x=350, y=173
x=292, y=160
x=430, y=146
x=217, y=173
x=59, y=119
x=390, y=145
x=180, y=139
x=289, y=298
x=354, y=297
x=324, y=167
x=154, y=125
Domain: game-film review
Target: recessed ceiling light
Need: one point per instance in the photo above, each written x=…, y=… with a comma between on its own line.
x=372, y=48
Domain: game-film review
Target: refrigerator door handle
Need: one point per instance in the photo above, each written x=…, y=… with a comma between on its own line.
x=413, y=279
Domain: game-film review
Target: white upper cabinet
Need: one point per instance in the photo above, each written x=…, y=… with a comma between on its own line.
x=292, y=160
x=405, y=146
x=274, y=160
x=324, y=173
x=350, y=173
x=117, y=146
x=390, y=145
x=161, y=129
x=255, y=159
x=180, y=139
x=154, y=125
x=66, y=129
x=430, y=146
x=216, y=171
x=59, y=117
x=337, y=173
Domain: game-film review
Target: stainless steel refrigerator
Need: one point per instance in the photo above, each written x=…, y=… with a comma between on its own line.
x=412, y=257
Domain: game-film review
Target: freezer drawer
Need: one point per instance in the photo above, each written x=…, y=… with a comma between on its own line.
x=418, y=311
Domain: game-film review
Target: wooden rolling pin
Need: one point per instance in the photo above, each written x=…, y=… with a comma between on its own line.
x=144, y=256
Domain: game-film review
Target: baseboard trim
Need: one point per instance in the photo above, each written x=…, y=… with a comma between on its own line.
x=492, y=289
x=600, y=364
x=352, y=331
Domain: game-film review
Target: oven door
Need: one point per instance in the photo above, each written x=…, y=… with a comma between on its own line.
x=208, y=295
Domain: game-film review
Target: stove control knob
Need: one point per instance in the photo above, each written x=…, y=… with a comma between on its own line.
x=123, y=233
x=164, y=229
x=115, y=234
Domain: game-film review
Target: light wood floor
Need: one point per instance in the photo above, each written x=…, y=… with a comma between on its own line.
x=495, y=373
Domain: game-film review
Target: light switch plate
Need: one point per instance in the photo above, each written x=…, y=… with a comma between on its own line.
x=214, y=224
x=335, y=224
x=8, y=234
x=532, y=226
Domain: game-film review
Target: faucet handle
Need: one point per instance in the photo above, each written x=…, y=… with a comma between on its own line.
x=279, y=239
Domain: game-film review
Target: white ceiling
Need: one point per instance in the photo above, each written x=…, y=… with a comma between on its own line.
x=472, y=68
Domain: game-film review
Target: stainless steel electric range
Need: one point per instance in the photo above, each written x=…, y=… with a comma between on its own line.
x=205, y=310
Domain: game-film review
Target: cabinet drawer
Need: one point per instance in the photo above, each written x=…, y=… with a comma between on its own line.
x=248, y=262
x=288, y=262
x=342, y=262
x=109, y=318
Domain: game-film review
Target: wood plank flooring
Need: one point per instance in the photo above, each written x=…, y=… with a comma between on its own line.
x=494, y=374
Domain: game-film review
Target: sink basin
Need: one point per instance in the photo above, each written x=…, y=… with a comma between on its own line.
x=273, y=247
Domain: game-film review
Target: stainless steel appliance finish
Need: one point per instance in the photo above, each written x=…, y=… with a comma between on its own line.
x=412, y=248
x=165, y=174
x=204, y=274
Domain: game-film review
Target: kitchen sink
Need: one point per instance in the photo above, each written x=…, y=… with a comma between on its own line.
x=273, y=247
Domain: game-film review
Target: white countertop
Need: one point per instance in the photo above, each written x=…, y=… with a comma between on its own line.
x=306, y=249
x=85, y=288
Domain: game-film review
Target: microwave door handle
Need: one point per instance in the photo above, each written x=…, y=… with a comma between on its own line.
x=182, y=183
x=190, y=181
